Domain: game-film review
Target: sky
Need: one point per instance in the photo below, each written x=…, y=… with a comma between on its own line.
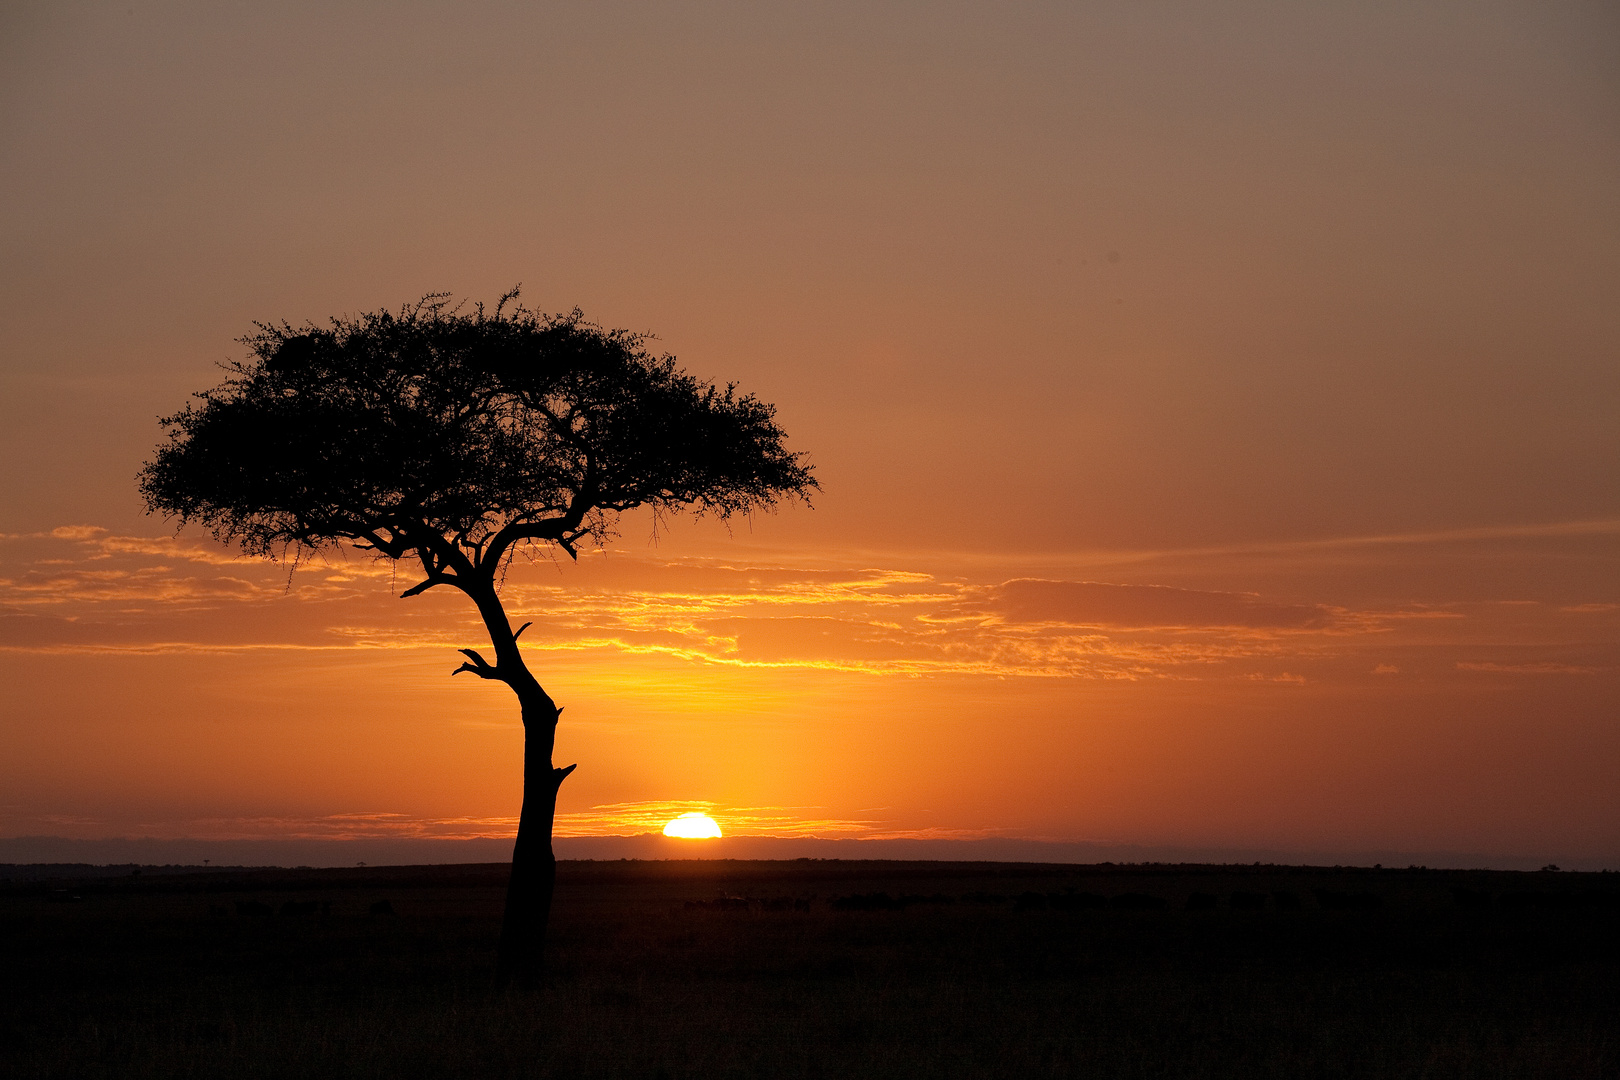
x=1215, y=410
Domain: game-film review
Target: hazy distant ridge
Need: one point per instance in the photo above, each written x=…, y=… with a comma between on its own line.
x=192, y=852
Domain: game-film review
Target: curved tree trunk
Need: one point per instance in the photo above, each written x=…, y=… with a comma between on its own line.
x=534, y=866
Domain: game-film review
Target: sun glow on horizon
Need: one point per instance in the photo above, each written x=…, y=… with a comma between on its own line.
x=693, y=826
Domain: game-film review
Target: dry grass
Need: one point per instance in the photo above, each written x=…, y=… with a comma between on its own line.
x=158, y=976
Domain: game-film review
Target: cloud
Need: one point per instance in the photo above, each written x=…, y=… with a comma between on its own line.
x=1089, y=603
x=1541, y=668
x=632, y=818
x=78, y=532
x=607, y=819
x=86, y=590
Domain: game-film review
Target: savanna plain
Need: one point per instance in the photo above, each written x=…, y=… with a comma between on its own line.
x=814, y=968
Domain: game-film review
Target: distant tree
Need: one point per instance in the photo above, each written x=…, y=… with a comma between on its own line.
x=454, y=438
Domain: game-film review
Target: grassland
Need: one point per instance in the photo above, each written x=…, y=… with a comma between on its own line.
x=815, y=969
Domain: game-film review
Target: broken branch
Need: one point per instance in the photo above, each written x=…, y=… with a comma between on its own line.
x=478, y=666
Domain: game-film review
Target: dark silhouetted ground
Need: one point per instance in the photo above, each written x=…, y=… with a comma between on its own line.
x=814, y=969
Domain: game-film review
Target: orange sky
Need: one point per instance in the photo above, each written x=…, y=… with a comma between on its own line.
x=1215, y=411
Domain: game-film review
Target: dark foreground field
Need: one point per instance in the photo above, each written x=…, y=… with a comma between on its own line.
x=816, y=969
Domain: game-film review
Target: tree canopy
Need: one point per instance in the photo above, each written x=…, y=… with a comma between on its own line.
x=453, y=435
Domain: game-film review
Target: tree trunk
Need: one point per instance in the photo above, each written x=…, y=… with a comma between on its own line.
x=534, y=866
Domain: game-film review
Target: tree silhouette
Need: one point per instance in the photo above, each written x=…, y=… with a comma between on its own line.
x=453, y=439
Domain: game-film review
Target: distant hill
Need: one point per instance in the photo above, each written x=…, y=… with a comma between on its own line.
x=130, y=852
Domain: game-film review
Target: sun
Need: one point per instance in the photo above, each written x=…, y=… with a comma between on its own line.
x=693, y=826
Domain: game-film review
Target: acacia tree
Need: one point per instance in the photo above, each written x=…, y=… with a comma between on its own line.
x=452, y=439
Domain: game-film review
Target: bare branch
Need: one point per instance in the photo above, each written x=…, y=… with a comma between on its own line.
x=448, y=556
x=478, y=666
x=424, y=586
x=390, y=548
x=545, y=529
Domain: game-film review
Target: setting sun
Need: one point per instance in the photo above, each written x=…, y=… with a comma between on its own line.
x=693, y=826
